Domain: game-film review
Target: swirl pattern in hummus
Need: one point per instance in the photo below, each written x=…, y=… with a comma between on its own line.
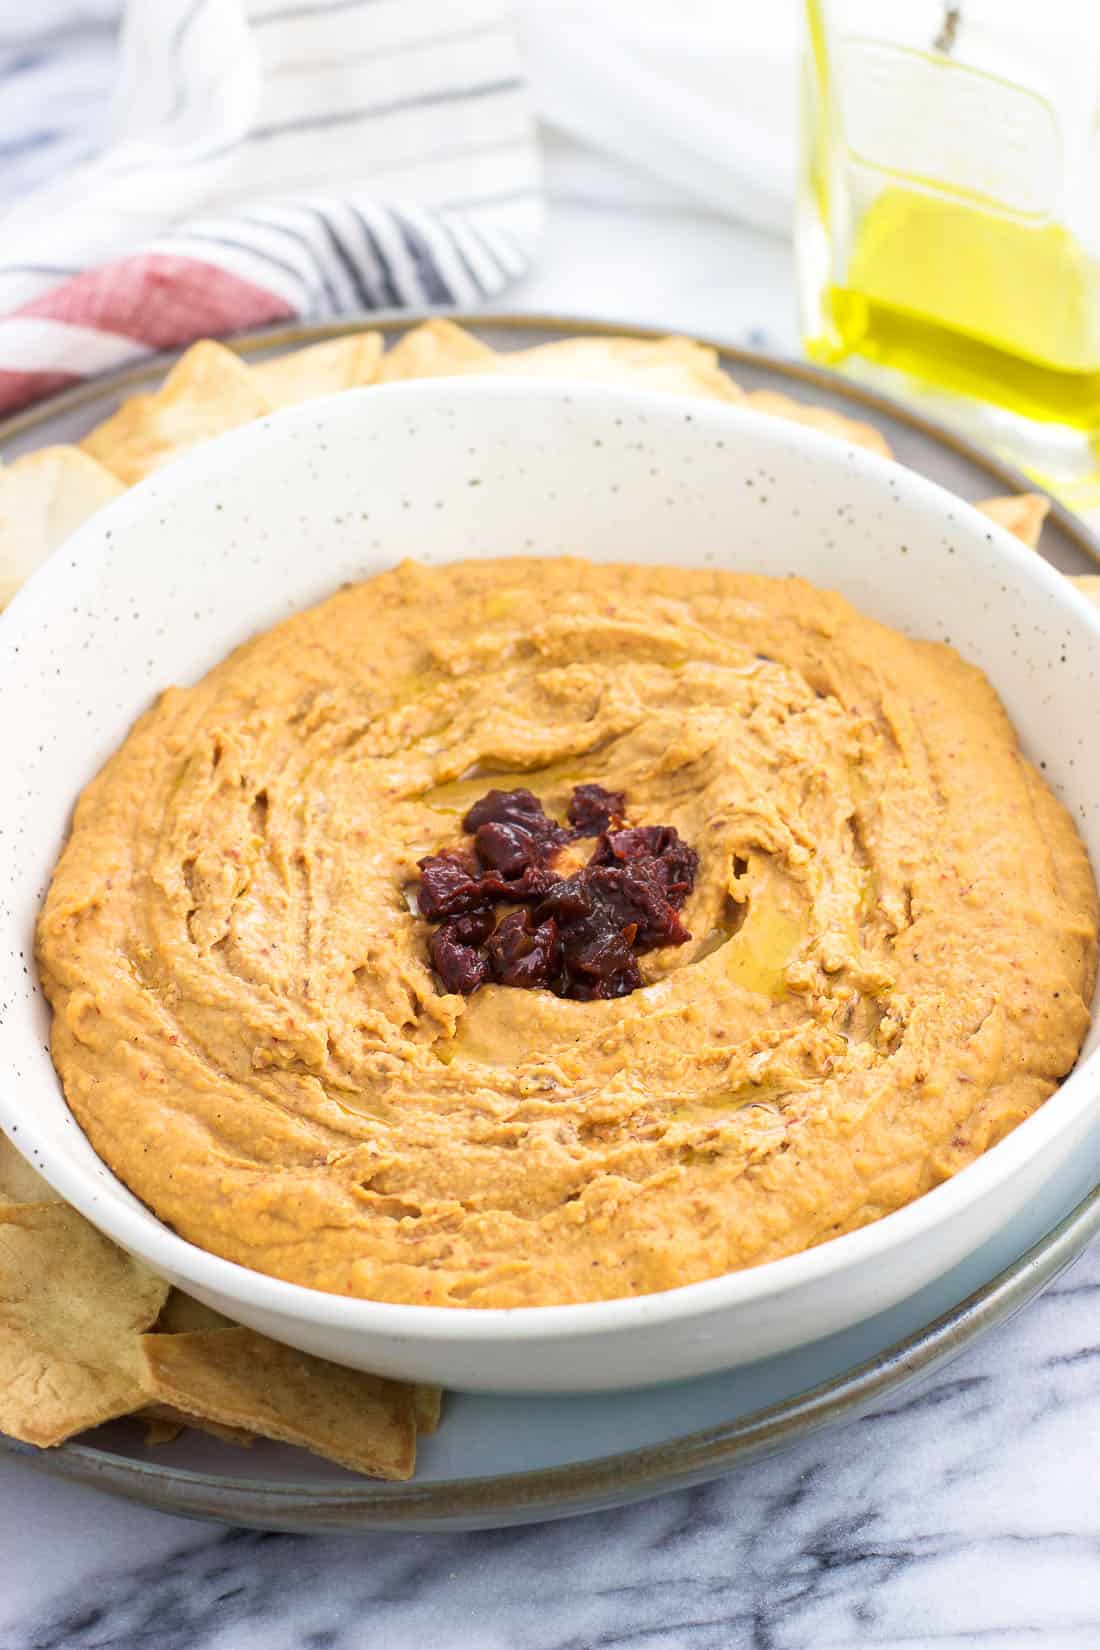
x=894, y=937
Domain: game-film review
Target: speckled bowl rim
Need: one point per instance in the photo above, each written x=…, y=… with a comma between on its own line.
x=686, y=1459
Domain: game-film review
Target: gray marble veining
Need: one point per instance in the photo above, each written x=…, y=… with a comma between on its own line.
x=963, y=1514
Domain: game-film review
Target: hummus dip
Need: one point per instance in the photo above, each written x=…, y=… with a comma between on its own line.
x=893, y=937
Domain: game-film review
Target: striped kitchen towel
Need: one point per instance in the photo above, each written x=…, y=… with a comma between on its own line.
x=272, y=159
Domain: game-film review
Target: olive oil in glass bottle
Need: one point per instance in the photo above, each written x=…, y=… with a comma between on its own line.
x=948, y=227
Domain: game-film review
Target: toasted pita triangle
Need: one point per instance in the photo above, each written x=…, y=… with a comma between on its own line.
x=321, y=369
x=1089, y=585
x=241, y=1379
x=19, y=1183
x=437, y=349
x=208, y=391
x=1021, y=513
x=43, y=498
x=852, y=430
x=72, y=1309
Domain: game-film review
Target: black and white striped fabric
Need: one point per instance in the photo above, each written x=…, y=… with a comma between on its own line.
x=335, y=154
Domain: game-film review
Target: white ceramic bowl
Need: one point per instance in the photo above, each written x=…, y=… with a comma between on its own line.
x=266, y=520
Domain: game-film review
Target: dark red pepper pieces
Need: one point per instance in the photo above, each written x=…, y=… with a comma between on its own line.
x=578, y=936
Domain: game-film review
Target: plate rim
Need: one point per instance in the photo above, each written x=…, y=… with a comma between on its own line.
x=523, y=321
x=599, y=1482
x=690, y=1458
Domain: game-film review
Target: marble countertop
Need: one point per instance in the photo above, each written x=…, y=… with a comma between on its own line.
x=965, y=1513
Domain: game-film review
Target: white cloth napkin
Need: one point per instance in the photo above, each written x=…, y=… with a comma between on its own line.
x=270, y=159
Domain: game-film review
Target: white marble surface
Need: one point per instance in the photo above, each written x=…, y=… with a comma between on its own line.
x=965, y=1514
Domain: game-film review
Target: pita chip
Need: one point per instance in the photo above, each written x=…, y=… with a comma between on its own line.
x=852, y=430
x=19, y=1183
x=72, y=1309
x=1089, y=586
x=208, y=391
x=240, y=1379
x=320, y=369
x=428, y=1403
x=1023, y=514
x=44, y=497
x=437, y=349
x=678, y=366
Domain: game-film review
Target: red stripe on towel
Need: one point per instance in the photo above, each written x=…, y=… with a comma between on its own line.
x=160, y=301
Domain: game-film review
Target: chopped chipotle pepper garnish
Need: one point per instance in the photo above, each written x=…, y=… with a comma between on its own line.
x=578, y=936
x=593, y=809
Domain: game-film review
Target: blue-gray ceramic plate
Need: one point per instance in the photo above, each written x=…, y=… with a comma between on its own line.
x=500, y=1460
